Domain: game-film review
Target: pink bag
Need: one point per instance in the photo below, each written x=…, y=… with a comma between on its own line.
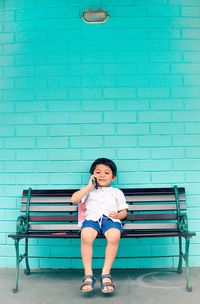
x=81, y=213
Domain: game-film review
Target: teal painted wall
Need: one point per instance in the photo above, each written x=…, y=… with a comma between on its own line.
x=70, y=92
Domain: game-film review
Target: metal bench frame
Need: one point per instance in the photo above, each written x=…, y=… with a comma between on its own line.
x=153, y=212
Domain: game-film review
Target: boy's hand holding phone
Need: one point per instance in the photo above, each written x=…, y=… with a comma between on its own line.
x=93, y=181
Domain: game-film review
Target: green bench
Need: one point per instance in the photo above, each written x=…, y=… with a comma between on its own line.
x=153, y=213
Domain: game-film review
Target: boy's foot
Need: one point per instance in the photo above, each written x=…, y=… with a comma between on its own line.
x=107, y=284
x=88, y=283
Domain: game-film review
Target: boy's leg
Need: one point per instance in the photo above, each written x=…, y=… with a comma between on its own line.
x=113, y=237
x=88, y=235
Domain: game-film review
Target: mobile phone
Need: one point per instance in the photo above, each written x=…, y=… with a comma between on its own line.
x=94, y=181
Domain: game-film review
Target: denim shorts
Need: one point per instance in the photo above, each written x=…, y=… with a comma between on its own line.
x=102, y=225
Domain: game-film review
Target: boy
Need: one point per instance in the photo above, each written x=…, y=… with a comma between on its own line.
x=105, y=207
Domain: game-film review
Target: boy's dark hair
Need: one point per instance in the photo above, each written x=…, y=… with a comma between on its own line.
x=106, y=162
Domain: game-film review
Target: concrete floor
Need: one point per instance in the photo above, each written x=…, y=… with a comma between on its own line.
x=52, y=286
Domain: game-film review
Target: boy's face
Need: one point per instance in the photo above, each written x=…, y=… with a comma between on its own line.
x=104, y=175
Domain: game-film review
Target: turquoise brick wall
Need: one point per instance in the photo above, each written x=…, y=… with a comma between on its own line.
x=71, y=92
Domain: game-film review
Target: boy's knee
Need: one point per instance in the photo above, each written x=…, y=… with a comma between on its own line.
x=113, y=236
x=88, y=236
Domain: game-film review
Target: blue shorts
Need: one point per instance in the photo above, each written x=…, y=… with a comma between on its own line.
x=102, y=225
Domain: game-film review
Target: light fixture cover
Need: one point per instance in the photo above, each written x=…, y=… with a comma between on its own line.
x=95, y=16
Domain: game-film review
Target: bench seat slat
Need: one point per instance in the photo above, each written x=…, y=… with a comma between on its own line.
x=73, y=218
x=154, y=226
x=54, y=227
x=62, y=227
x=47, y=200
x=153, y=198
x=155, y=207
x=129, y=198
x=53, y=218
x=133, y=207
x=139, y=217
x=70, y=208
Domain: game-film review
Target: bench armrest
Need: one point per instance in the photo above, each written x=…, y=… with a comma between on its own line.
x=22, y=224
x=183, y=223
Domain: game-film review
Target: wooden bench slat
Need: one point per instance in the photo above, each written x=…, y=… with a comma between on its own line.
x=51, y=208
x=53, y=227
x=58, y=218
x=133, y=207
x=73, y=218
x=128, y=191
x=47, y=200
x=139, y=217
x=155, y=207
x=153, y=226
x=62, y=227
x=153, y=198
x=132, y=198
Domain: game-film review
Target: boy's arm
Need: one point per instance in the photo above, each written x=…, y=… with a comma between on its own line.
x=122, y=214
x=78, y=195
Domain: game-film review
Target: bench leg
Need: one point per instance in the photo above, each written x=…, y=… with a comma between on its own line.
x=180, y=269
x=27, y=271
x=17, y=266
x=186, y=257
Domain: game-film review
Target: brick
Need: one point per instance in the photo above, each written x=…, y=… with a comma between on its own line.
x=155, y=141
x=64, y=154
x=192, y=152
x=81, y=117
x=46, y=142
x=152, y=93
x=167, y=128
x=65, y=178
x=20, y=143
x=185, y=116
x=32, y=179
x=117, y=117
x=53, y=166
x=35, y=130
x=128, y=129
x=99, y=105
x=192, y=177
x=7, y=131
x=167, y=153
x=168, y=177
x=174, y=104
x=132, y=105
x=52, y=118
x=7, y=155
x=98, y=129
x=124, y=93
x=8, y=179
x=31, y=154
x=85, y=93
x=64, y=130
x=6, y=60
x=155, y=165
x=133, y=153
x=134, y=178
x=30, y=106
x=186, y=140
x=20, y=166
x=192, y=128
x=91, y=154
x=18, y=118
x=120, y=141
x=6, y=107
x=86, y=142
x=187, y=165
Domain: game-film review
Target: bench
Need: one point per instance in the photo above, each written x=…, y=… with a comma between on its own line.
x=153, y=213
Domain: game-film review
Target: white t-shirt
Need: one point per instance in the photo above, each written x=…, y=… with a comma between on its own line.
x=102, y=201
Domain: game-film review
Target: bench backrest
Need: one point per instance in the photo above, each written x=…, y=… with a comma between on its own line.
x=155, y=209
